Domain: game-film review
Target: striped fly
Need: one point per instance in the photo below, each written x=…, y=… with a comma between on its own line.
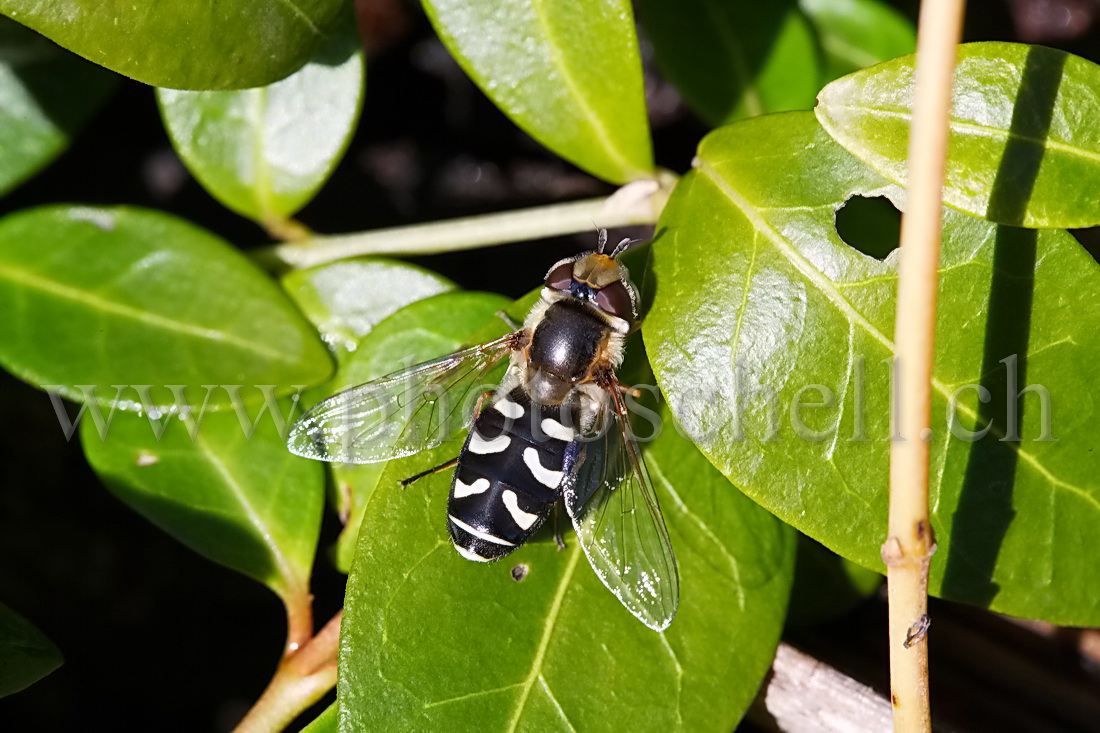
x=555, y=429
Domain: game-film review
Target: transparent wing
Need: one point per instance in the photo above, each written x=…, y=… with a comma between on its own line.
x=401, y=413
x=618, y=522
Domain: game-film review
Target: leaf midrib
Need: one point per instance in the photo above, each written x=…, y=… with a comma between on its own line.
x=827, y=288
x=287, y=573
x=977, y=130
x=301, y=15
x=595, y=122
x=149, y=318
x=544, y=642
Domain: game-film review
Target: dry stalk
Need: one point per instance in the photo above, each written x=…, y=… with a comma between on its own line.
x=910, y=543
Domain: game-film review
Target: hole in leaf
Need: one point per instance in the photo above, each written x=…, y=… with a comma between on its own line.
x=870, y=224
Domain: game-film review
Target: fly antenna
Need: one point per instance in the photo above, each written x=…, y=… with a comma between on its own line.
x=602, y=242
x=623, y=246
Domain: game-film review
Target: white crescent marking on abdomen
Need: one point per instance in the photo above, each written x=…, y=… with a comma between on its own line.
x=544, y=476
x=479, y=445
x=511, y=503
x=477, y=487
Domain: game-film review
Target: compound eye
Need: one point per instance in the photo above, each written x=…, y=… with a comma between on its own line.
x=561, y=277
x=615, y=299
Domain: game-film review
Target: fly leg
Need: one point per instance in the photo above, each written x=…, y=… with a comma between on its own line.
x=632, y=391
x=557, y=526
x=454, y=461
x=508, y=319
x=441, y=467
x=481, y=400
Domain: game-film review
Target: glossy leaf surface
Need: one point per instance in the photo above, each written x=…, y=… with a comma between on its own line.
x=346, y=299
x=232, y=492
x=733, y=60
x=855, y=34
x=568, y=74
x=46, y=96
x=26, y=655
x=264, y=152
x=768, y=335
x=432, y=641
x=1024, y=148
x=129, y=297
x=421, y=331
x=185, y=44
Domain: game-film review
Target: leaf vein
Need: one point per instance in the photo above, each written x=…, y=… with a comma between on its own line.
x=829, y=290
x=583, y=104
x=554, y=700
x=285, y=567
x=980, y=130
x=735, y=568
x=89, y=298
x=544, y=641
x=301, y=14
x=469, y=695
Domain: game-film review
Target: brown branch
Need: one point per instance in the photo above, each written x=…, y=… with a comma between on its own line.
x=302, y=678
x=910, y=543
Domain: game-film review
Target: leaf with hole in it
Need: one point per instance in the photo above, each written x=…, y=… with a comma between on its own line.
x=855, y=34
x=46, y=96
x=118, y=298
x=554, y=647
x=1024, y=146
x=734, y=60
x=185, y=44
x=769, y=338
x=346, y=299
x=224, y=485
x=423, y=330
x=569, y=74
x=26, y=655
x=265, y=152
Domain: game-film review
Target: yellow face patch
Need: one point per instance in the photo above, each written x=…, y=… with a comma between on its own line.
x=597, y=270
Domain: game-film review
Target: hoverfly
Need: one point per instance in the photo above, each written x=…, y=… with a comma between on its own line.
x=555, y=429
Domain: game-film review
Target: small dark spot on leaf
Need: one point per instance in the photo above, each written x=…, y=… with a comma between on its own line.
x=519, y=572
x=870, y=225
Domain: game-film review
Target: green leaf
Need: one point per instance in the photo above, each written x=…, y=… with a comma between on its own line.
x=568, y=74
x=326, y=722
x=265, y=152
x=432, y=641
x=129, y=297
x=346, y=299
x=423, y=330
x=225, y=486
x=734, y=60
x=759, y=307
x=185, y=44
x=26, y=655
x=1024, y=147
x=855, y=34
x=46, y=96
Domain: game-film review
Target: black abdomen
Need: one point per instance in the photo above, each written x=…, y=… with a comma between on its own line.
x=509, y=475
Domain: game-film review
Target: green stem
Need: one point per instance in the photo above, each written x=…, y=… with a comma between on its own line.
x=639, y=202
